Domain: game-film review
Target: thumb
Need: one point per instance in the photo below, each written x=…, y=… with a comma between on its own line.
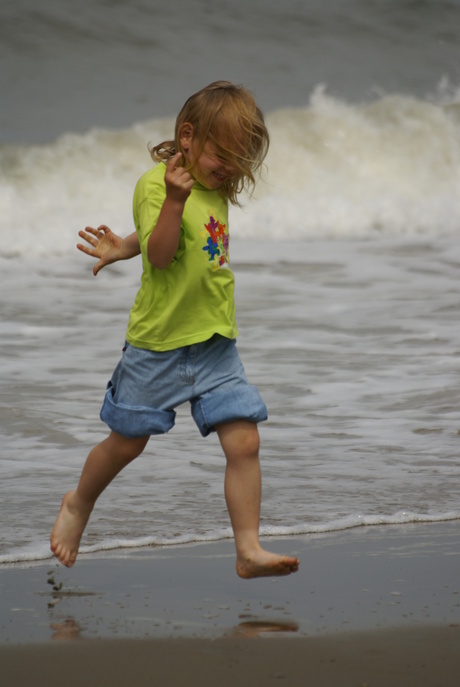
x=97, y=267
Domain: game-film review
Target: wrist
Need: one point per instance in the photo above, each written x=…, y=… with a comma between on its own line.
x=174, y=204
x=129, y=247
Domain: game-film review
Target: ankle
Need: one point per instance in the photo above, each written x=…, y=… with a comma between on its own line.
x=77, y=504
x=248, y=549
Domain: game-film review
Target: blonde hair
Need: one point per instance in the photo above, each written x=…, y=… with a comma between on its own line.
x=228, y=117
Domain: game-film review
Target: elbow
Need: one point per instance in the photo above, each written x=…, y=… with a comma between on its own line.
x=158, y=262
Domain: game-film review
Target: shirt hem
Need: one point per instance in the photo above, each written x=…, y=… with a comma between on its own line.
x=184, y=341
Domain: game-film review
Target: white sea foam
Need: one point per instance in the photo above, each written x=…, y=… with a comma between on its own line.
x=40, y=553
x=388, y=167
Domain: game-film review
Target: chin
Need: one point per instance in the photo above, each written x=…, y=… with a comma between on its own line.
x=213, y=184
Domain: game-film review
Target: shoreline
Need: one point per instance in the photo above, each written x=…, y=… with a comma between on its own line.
x=366, y=603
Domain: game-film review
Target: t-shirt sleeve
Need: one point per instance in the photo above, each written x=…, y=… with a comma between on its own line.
x=149, y=196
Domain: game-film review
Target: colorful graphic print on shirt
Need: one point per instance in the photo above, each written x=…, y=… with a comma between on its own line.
x=216, y=237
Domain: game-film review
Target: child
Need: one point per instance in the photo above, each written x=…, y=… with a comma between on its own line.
x=180, y=341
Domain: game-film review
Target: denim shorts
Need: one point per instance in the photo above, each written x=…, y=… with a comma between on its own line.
x=147, y=386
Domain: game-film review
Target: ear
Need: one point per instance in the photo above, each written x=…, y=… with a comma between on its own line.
x=186, y=135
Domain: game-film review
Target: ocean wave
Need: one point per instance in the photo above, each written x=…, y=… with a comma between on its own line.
x=335, y=169
x=341, y=524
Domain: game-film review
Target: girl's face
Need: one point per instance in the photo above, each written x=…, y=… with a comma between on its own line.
x=207, y=167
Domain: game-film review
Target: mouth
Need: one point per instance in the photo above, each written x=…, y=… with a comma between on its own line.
x=219, y=177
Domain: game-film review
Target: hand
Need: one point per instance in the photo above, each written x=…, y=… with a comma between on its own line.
x=179, y=181
x=106, y=246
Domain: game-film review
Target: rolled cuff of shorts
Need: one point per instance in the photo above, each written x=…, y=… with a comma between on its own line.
x=228, y=406
x=135, y=421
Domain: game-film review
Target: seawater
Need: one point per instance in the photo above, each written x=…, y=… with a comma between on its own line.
x=347, y=263
x=354, y=346
x=347, y=266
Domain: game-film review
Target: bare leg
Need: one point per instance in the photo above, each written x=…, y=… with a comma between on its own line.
x=103, y=464
x=240, y=442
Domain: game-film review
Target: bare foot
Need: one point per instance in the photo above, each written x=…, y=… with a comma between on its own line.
x=265, y=564
x=68, y=529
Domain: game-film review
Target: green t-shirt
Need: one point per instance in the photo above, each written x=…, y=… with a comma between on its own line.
x=192, y=298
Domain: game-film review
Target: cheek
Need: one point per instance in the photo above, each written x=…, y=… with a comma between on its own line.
x=206, y=162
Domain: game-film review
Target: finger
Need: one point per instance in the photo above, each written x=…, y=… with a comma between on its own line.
x=90, y=239
x=188, y=183
x=181, y=176
x=90, y=230
x=172, y=162
x=85, y=249
x=99, y=233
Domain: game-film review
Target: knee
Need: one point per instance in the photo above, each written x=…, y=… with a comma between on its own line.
x=250, y=443
x=239, y=440
x=128, y=449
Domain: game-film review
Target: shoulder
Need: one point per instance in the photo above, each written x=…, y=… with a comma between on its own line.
x=152, y=179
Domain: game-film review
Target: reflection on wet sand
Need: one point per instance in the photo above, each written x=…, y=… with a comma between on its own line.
x=65, y=631
x=69, y=630
x=255, y=628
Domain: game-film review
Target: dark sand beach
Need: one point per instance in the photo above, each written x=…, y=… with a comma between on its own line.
x=370, y=606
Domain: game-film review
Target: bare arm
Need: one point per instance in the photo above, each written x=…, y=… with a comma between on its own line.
x=107, y=246
x=164, y=239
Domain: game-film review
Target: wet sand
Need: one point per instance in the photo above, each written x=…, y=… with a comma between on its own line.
x=370, y=606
